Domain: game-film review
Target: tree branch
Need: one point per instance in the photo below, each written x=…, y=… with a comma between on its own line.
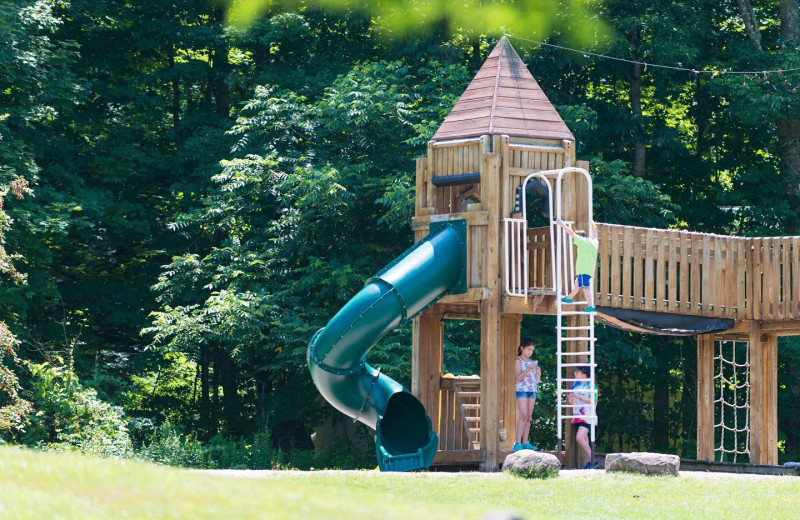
x=750, y=22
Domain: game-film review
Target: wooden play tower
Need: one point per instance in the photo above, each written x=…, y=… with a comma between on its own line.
x=503, y=129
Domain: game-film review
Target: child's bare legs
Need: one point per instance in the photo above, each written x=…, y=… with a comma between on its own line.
x=527, y=436
x=588, y=293
x=582, y=438
x=524, y=411
x=574, y=292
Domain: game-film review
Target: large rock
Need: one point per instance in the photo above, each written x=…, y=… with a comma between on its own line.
x=532, y=464
x=644, y=463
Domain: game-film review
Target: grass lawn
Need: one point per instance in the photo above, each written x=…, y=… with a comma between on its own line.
x=63, y=486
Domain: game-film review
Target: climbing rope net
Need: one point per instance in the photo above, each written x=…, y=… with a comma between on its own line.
x=732, y=400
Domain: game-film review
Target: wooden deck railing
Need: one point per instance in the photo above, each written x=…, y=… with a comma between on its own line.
x=687, y=273
x=454, y=430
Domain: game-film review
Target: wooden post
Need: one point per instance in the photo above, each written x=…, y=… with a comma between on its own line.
x=490, y=313
x=426, y=362
x=769, y=452
x=763, y=397
x=705, y=397
x=421, y=200
x=510, y=325
x=756, y=395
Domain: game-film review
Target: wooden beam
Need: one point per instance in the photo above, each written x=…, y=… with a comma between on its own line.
x=472, y=294
x=473, y=218
x=756, y=353
x=447, y=458
x=421, y=187
x=531, y=305
x=490, y=315
x=426, y=361
x=705, y=397
x=510, y=325
x=769, y=403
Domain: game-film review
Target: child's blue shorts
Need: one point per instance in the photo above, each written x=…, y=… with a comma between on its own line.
x=526, y=395
x=583, y=280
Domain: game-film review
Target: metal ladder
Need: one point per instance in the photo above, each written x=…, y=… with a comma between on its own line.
x=567, y=359
x=563, y=276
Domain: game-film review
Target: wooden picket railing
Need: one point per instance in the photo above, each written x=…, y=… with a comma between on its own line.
x=687, y=273
x=459, y=401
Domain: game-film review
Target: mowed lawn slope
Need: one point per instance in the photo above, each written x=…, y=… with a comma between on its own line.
x=43, y=486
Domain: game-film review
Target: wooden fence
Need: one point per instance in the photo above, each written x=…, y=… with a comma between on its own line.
x=687, y=273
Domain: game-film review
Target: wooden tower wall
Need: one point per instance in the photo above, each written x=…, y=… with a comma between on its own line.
x=502, y=163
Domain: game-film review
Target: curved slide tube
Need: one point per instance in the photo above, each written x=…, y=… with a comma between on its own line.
x=431, y=268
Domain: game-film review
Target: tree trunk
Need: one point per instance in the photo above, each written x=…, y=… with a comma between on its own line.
x=789, y=128
x=661, y=417
x=639, y=151
x=689, y=410
x=789, y=22
x=789, y=147
x=213, y=407
x=750, y=22
x=231, y=406
x=220, y=67
x=205, y=404
x=176, y=95
x=635, y=93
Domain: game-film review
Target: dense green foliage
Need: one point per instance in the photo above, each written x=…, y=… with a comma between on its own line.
x=184, y=202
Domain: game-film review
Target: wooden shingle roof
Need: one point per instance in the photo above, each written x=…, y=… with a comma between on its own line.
x=503, y=98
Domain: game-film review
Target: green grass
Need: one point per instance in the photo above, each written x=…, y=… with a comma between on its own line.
x=42, y=486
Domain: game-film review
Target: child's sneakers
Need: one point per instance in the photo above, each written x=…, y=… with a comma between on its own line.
x=589, y=309
x=589, y=465
x=517, y=446
x=566, y=300
x=528, y=446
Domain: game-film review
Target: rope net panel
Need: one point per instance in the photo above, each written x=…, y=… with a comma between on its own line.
x=732, y=401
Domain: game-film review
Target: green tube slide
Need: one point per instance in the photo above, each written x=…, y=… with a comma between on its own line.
x=431, y=268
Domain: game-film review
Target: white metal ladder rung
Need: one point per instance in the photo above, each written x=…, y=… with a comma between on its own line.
x=563, y=273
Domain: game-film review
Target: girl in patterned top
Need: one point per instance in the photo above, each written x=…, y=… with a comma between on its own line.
x=527, y=389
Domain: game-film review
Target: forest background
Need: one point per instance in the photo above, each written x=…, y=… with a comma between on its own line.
x=188, y=191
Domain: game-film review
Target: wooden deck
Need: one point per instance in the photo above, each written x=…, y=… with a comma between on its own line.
x=681, y=272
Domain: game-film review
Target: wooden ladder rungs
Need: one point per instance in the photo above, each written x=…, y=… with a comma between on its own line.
x=468, y=394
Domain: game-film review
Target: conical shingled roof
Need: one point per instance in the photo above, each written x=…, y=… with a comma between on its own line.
x=503, y=98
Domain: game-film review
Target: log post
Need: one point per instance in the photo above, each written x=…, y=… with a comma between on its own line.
x=705, y=397
x=426, y=362
x=756, y=398
x=491, y=313
x=763, y=397
x=510, y=325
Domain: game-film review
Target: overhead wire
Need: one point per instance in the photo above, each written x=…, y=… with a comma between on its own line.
x=713, y=72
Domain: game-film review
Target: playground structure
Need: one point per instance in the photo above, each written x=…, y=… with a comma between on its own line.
x=477, y=258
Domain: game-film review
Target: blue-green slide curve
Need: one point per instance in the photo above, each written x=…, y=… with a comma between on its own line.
x=431, y=268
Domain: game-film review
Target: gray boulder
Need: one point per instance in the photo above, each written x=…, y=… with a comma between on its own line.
x=532, y=464
x=644, y=463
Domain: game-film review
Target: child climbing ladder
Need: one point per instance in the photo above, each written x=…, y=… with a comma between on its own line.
x=585, y=264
